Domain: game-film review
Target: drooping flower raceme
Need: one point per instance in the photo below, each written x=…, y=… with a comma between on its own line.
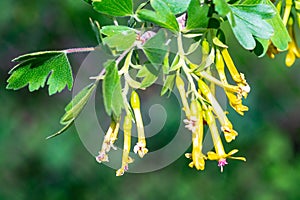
x=153, y=28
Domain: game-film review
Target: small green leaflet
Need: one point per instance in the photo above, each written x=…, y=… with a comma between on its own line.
x=168, y=84
x=249, y=21
x=177, y=6
x=197, y=15
x=112, y=92
x=74, y=108
x=119, y=37
x=117, y=8
x=162, y=16
x=96, y=28
x=35, y=68
x=221, y=7
x=149, y=76
x=155, y=49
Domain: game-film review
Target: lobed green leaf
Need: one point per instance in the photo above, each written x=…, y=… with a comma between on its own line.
x=116, y=8
x=163, y=16
x=155, y=49
x=197, y=16
x=119, y=37
x=249, y=21
x=35, y=68
x=221, y=7
x=149, y=76
x=177, y=6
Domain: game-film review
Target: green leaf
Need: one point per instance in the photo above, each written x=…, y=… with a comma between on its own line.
x=115, y=30
x=116, y=8
x=77, y=104
x=60, y=131
x=35, y=68
x=281, y=37
x=197, y=16
x=119, y=37
x=177, y=6
x=162, y=16
x=168, y=84
x=74, y=108
x=175, y=63
x=155, y=49
x=249, y=21
x=149, y=76
x=96, y=28
x=112, y=94
x=221, y=7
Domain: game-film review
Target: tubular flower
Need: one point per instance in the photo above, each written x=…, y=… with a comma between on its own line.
x=235, y=101
x=198, y=158
x=226, y=125
x=228, y=131
x=219, y=153
x=140, y=146
x=293, y=49
x=108, y=143
x=239, y=78
x=126, y=159
x=181, y=89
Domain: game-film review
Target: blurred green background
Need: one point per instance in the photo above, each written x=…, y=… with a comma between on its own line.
x=61, y=168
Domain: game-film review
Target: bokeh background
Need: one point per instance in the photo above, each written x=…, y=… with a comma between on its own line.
x=61, y=168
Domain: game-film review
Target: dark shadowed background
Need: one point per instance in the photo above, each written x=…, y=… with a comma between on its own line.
x=61, y=168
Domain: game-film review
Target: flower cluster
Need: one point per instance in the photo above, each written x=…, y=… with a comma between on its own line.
x=111, y=136
x=204, y=108
x=140, y=54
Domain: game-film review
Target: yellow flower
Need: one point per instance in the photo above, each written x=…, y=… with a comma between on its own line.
x=221, y=158
x=242, y=89
x=239, y=78
x=219, y=153
x=198, y=158
x=293, y=50
x=140, y=146
x=226, y=125
x=126, y=159
x=181, y=89
x=228, y=131
x=236, y=103
x=108, y=142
